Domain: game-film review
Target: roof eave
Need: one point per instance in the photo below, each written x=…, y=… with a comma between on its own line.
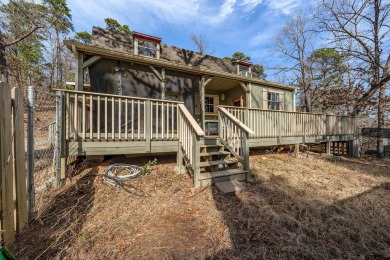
x=107, y=53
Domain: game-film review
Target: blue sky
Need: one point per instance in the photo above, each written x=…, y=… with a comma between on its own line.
x=248, y=26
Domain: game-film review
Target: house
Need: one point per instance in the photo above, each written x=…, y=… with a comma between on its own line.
x=149, y=97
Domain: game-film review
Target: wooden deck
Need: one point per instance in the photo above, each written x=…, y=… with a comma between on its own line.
x=284, y=128
x=104, y=124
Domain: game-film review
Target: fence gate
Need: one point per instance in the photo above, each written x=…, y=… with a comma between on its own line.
x=13, y=196
x=43, y=140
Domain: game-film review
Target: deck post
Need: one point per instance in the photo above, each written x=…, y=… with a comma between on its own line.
x=64, y=134
x=179, y=159
x=202, y=102
x=147, y=125
x=245, y=148
x=196, y=166
x=327, y=147
x=79, y=76
x=248, y=98
x=246, y=117
x=162, y=83
x=58, y=135
x=354, y=145
x=179, y=154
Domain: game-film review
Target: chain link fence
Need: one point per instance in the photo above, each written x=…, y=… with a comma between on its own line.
x=368, y=140
x=43, y=138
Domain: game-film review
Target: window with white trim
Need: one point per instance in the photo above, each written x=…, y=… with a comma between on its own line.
x=209, y=104
x=147, y=48
x=146, y=45
x=273, y=101
x=244, y=70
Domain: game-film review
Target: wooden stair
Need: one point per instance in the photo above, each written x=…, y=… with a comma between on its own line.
x=217, y=164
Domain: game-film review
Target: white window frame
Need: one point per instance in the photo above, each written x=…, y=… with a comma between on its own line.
x=273, y=104
x=137, y=47
x=267, y=100
x=244, y=70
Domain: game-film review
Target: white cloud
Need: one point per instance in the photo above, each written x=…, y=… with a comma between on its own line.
x=283, y=6
x=225, y=10
x=137, y=13
x=249, y=5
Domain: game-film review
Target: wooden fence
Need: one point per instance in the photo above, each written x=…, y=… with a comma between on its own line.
x=13, y=214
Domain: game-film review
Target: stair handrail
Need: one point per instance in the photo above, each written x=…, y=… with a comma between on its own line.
x=237, y=121
x=189, y=134
x=236, y=141
x=198, y=130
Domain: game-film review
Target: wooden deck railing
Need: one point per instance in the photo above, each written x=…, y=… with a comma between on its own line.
x=269, y=123
x=234, y=134
x=189, y=137
x=95, y=116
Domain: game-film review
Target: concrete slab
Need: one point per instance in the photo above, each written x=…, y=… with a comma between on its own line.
x=229, y=186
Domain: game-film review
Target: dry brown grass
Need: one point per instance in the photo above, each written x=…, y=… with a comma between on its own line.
x=292, y=208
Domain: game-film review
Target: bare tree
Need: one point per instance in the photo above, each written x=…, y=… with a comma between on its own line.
x=201, y=43
x=365, y=23
x=7, y=41
x=293, y=45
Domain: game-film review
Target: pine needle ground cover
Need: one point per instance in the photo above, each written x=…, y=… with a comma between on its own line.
x=292, y=208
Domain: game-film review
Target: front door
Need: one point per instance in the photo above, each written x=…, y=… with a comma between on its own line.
x=238, y=102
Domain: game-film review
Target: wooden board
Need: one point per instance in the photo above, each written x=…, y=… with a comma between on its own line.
x=218, y=174
x=79, y=148
x=6, y=165
x=20, y=164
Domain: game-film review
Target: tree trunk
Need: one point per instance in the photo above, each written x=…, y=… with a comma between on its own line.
x=381, y=120
x=3, y=63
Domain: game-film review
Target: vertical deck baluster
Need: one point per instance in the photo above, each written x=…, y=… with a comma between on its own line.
x=157, y=119
x=83, y=118
x=151, y=119
x=76, y=113
x=126, y=118
x=119, y=118
x=255, y=126
x=105, y=118
x=167, y=120
x=132, y=119
x=113, y=118
x=162, y=120
x=173, y=117
x=139, y=119
x=269, y=123
x=68, y=119
x=90, y=117
x=98, y=118
x=145, y=126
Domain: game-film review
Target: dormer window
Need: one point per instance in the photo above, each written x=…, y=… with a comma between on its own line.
x=244, y=68
x=146, y=45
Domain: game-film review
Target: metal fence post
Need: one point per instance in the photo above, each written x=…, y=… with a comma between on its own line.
x=58, y=137
x=30, y=150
